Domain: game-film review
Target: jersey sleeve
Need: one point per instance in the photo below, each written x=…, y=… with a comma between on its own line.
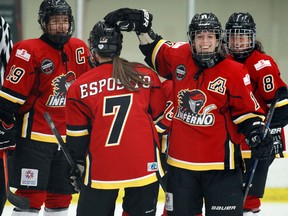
x=159, y=58
x=240, y=90
x=19, y=78
x=77, y=124
x=163, y=126
x=157, y=99
x=269, y=82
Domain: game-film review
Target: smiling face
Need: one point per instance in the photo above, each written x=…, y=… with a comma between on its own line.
x=205, y=44
x=205, y=41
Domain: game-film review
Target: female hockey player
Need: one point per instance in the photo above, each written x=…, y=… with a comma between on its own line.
x=39, y=73
x=111, y=111
x=265, y=79
x=213, y=105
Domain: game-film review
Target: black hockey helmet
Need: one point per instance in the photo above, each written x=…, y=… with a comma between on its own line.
x=205, y=22
x=106, y=40
x=50, y=8
x=240, y=25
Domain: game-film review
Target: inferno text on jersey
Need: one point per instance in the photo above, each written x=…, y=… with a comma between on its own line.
x=190, y=103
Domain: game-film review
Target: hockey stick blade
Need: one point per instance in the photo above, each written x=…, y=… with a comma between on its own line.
x=280, y=93
x=60, y=140
x=18, y=201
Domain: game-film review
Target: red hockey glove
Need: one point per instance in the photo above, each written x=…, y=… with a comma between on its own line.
x=130, y=19
x=7, y=131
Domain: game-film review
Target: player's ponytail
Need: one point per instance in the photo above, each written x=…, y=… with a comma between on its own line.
x=127, y=73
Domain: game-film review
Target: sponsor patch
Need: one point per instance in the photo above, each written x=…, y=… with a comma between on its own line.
x=246, y=79
x=29, y=177
x=262, y=64
x=23, y=54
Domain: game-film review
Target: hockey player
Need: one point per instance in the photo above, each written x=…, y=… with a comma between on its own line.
x=39, y=73
x=110, y=122
x=265, y=79
x=6, y=45
x=213, y=102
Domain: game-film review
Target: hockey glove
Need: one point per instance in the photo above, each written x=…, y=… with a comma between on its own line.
x=76, y=177
x=277, y=141
x=130, y=19
x=261, y=148
x=8, y=131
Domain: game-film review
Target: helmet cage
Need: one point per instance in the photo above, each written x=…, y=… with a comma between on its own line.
x=240, y=42
x=50, y=8
x=105, y=40
x=205, y=57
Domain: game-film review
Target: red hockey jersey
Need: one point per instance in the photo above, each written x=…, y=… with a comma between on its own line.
x=207, y=110
x=37, y=80
x=119, y=123
x=163, y=127
x=265, y=80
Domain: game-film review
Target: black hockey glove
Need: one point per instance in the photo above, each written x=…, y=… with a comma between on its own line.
x=277, y=141
x=130, y=19
x=261, y=148
x=76, y=177
x=8, y=131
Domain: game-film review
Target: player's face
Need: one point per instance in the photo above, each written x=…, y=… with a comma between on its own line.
x=239, y=42
x=58, y=24
x=205, y=42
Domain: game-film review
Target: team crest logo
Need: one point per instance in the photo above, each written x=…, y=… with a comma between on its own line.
x=180, y=72
x=218, y=86
x=60, y=86
x=191, y=109
x=47, y=66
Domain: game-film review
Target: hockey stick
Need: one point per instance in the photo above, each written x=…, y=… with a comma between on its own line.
x=18, y=201
x=62, y=145
x=60, y=140
x=279, y=93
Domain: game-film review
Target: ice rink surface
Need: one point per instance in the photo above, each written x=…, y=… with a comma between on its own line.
x=268, y=209
x=277, y=178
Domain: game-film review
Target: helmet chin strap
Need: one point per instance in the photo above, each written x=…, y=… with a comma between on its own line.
x=217, y=58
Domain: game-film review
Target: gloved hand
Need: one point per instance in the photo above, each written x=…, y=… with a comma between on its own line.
x=261, y=148
x=76, y=177
x=130, y=19
x=8, y=131
x=277, y=141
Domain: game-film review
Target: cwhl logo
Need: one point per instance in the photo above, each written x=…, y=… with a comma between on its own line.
x=190, y=105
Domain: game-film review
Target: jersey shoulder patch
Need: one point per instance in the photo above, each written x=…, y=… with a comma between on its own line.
x=262, y=64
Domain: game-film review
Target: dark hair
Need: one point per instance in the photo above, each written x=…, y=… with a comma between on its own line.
x=259, y=47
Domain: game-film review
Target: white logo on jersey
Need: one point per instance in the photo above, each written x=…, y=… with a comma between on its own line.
x=23, y=54
x=29, y=177
x=153, y=166
x=169, y=201
x=261, y=64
